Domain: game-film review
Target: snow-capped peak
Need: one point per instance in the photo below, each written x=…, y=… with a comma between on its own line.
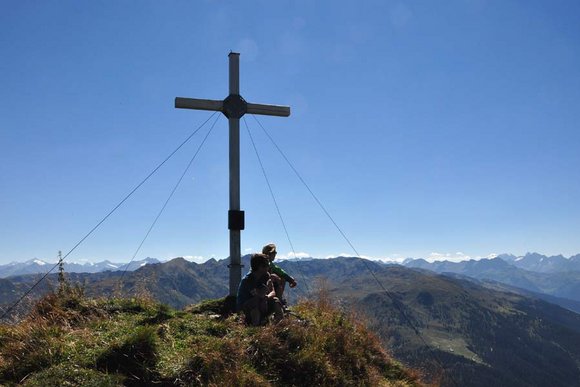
x=82, y=262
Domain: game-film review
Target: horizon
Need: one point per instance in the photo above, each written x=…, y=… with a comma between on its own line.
x=433, y=257
x=425, y=129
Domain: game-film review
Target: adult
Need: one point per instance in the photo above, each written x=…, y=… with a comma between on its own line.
x=256, y=295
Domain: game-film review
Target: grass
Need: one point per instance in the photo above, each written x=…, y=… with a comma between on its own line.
x=72, y=340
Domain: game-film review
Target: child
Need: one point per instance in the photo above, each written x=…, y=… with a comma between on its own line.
x=278, y=275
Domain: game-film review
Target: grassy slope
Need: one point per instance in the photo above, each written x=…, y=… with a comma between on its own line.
x=73, y=340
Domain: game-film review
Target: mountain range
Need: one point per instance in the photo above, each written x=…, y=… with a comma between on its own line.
x=542, y=263
x=531, y=261
x=534, y=262
x=461, y=328
x=37, y=266
x=516, y=273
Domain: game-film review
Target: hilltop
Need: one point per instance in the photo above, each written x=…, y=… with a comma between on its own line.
x=135, y=342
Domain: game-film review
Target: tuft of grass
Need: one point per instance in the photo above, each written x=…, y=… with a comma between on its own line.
x=127, y=305
x=212, y=361
x=224, y=307
x=161, y=313
x=63, y=375
x=135, y=356
x=27, y=349
x=66, y=308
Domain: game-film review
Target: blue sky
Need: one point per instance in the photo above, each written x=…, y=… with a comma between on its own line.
x=424, y=127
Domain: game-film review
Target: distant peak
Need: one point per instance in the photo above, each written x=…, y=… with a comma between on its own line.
x=36, y=261
x=179, y=261
x=534, y=254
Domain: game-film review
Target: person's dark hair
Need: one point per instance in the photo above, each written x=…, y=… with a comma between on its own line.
x=259, y=260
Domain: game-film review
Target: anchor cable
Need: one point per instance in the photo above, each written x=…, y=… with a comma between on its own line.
x=5, y=313
x=398, y=304
x=274, y=200
x=168, y=198
x=307, y=187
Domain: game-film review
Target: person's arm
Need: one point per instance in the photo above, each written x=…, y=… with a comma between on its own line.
x=244, y=293
x=281, y=273
x=271, y=290
x=261, y=291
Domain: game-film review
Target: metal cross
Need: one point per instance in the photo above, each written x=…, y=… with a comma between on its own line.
x=234, y=107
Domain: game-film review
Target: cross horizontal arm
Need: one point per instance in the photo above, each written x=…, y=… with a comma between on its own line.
x=268, y=110
x=198, y=104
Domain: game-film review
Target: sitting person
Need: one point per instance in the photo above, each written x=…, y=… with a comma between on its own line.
x=256, y=295
x=278, y=275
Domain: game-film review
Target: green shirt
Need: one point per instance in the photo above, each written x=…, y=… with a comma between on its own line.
x=275, y=269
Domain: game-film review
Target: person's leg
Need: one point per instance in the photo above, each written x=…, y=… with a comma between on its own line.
x=282, y=288
x=263, y=309
x=275, y=306
x=279, y=285
x=278, y=311
x=255, y=317
x=254, y=310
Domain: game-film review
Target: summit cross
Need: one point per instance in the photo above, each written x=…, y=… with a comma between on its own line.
x=234, y=107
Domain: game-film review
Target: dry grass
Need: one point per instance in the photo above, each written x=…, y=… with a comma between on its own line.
x=140, y=342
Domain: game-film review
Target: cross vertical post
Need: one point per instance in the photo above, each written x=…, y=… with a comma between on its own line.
x=233, y=107
x=235, y=229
